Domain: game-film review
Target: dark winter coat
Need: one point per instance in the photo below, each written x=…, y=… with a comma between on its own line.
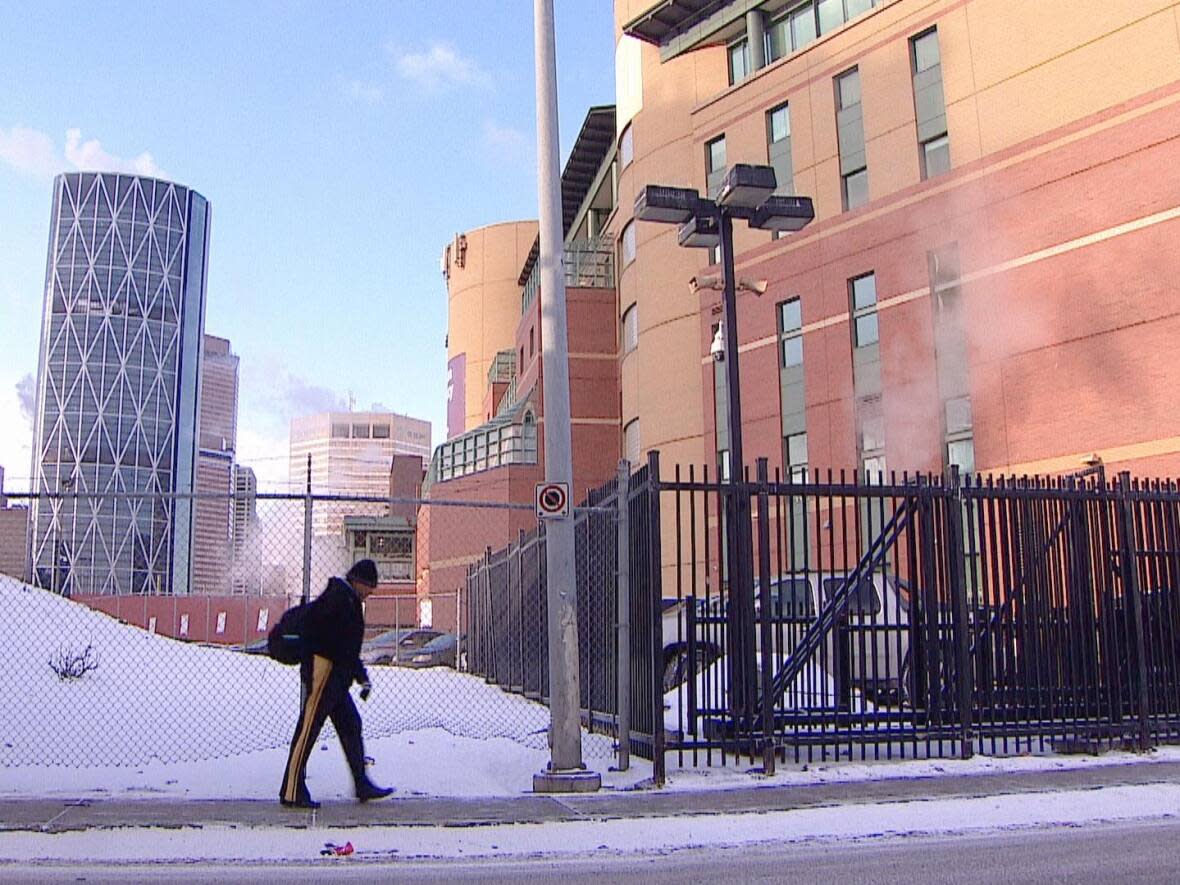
x=334, y=628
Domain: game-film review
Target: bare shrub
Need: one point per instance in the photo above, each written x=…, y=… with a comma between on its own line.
x=71, y=663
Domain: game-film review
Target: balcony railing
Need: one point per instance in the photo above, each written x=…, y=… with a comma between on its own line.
x=589, y=264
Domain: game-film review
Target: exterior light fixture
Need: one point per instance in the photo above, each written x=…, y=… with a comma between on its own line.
x=786, y=214
x=746, y=186
x=668, y=205
x=700, y=232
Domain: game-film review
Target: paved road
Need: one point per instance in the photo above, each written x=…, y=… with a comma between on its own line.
x=1124, y=853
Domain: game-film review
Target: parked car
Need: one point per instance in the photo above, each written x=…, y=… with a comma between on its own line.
x=875, y=621
x=417, y=648
x=438, y=652
x=382, y=648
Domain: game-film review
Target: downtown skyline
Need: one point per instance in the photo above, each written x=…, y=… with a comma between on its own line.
x=331, y=207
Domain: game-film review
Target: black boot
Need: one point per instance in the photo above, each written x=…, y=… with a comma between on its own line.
x=368, y=791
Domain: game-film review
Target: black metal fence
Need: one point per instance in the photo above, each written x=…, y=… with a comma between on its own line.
x=917, y=616
x=617, y=608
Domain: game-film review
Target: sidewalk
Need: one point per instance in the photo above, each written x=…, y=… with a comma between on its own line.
x=61, y=816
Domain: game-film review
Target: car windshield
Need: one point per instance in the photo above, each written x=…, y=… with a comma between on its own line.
x=862, y=601
x=791, y=598
x=418, y=638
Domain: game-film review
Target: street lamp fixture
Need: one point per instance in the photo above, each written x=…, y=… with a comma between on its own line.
x=747, y=192
x=701, y=231
x=785, y=214
x=746, y=186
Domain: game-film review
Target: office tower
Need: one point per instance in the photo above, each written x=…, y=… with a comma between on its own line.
x=117, y=385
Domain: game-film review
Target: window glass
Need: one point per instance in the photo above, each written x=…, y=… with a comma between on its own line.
x=380, y=431
x=863, y=599
x=926, y=51
x=867, y=330
x=795, y=447
x=790, y=317
x=340, y=431
x=791, y=598
x=848, y=89
x=629, y=243
x=739, y=61
x=864, y=291
x=961, y=453
x=360, y=431
x=715, y=154
x=856, y=7
x=780, y=124
x=936, y=156
x=856, y=189
x=631, y=329
x=778, y=40
x=831, y=15
x=631, y=442
x=626, y=148
x=802, y=26
x=792, y=351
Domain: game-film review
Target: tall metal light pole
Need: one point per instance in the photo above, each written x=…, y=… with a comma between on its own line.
x=746, y=193
x=565, y=772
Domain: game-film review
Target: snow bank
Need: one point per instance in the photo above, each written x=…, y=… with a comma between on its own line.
x=156, y=699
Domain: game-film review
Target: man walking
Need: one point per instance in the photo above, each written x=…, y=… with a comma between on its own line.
x=333, y=629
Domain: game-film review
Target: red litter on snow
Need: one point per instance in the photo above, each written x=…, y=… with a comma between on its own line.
x=331, y=849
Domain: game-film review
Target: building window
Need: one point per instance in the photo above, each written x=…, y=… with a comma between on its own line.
x=360, y=431
x=863, y=295
x=715, y=165
x=795, y=456
x=739, y=61
x=532, y=341
x=628, y=243
x=925, y=49
x=631, y=450
x=854, y=173
x=790, y=330
x=380, y=431
x=778, y=148
x=339, y=431
x=631, y=328
x=626, y=148
x=934, y=149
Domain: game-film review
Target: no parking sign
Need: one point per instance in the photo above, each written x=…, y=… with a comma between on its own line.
x=552, y=500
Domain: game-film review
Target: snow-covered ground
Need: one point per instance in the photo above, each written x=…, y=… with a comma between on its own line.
x=161, y=716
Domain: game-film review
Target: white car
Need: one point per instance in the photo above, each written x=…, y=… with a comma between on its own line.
x=873, y=631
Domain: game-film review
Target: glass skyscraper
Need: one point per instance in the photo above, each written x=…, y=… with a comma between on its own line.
x=116, y=426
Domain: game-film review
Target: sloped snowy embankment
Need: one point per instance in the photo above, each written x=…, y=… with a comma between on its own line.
x=154, y=702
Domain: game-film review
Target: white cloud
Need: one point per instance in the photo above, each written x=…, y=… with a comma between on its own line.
x=438, y=67
x=35, y=153
x=364, y=92
x=29, y=151
x=507, y=139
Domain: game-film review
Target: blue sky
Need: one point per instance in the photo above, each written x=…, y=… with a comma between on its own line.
x=341, y=146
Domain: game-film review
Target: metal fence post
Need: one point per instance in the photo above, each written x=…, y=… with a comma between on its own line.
x=767, y=611
x=623, y=661
x=654, y=564
x=1130, y=575
x=307, y=505
x=958, y=589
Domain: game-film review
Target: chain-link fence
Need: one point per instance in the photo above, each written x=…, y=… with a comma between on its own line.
x=137, y=630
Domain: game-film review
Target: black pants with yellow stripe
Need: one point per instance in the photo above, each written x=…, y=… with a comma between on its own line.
x=326, y=697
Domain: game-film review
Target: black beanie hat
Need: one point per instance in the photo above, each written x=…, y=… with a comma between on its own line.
x=365, y=571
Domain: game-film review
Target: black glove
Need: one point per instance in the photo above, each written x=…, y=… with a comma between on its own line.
x=366, y=689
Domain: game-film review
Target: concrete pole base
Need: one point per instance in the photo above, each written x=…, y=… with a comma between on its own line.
x=579, y=780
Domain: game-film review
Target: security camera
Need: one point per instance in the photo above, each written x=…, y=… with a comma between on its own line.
x=717, y=348
x=758, y=287
x=705, y=281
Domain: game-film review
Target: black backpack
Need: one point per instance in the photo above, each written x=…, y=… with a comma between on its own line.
x=284, y=643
